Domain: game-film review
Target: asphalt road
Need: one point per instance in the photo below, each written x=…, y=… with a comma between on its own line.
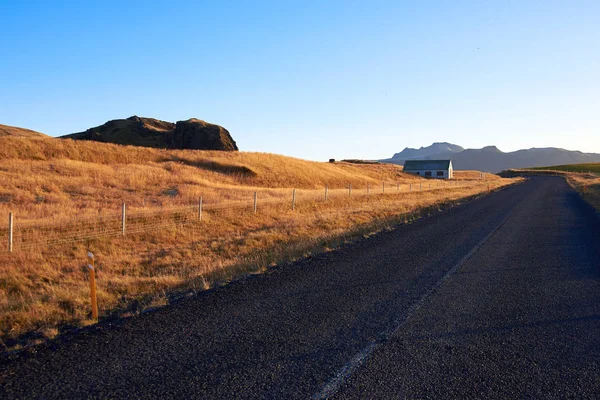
x=493, y=299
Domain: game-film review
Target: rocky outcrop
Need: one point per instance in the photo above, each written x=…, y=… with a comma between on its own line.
x=149, y=132
x=198, y=134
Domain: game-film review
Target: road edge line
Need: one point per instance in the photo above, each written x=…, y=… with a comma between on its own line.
x=333, y=385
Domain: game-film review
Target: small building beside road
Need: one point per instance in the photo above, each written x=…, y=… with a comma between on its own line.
x=439, y=169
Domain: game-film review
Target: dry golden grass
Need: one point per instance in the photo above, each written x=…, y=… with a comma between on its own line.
x=474, y=175
x=43, y=178
x=63, y=185
x=6, y=130
x=588, y=185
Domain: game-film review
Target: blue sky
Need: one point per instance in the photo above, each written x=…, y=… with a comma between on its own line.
x=312, y=79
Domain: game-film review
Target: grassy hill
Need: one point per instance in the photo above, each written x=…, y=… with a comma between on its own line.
x=14, y=131
x=582, y=168
x=59, y=189
x=47, y=177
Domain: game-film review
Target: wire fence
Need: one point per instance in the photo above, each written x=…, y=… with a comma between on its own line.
x=30, y=234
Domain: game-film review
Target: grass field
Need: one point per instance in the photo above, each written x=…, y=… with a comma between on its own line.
x=57, y=184
x=6, y=130
x=593, y=168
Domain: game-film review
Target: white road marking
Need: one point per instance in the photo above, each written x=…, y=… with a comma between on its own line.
x=335, y=383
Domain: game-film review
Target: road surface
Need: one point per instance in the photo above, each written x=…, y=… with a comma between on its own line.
x=493, y=299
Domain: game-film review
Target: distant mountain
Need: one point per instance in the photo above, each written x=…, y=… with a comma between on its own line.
x=6, y=130
x=436, y=148
x=491, y=159
x=149, y=132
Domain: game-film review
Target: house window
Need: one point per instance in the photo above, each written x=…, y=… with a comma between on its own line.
x=440, y=173
x=427, y=173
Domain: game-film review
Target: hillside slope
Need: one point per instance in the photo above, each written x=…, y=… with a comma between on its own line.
x=49, y=175
x=593, y=168
x=6, y=130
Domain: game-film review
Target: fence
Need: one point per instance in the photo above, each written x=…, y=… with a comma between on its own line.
x=26, y=235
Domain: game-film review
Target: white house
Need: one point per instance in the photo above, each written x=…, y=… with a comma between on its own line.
x=440, y=169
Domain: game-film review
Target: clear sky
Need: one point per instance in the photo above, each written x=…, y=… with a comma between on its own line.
x=312, y=79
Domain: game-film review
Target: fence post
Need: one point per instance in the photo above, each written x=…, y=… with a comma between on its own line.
x=383, y=187
x=123, y=218
x=254, y=202
x=10, y=232
x=420, y=186
x=293, y=199
x=91, y=268
x=349, y=189
x=397, y=187
x=326, y=191
x=200, y=209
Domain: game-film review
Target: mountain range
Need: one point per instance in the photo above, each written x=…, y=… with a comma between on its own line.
x=491, y=159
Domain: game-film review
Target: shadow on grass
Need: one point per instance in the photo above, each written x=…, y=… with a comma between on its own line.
x=214, y=166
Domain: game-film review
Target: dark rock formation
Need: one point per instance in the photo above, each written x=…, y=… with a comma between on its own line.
x=149, y=132
x=198, y=134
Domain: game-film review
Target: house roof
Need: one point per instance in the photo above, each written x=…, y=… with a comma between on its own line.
x=418, y=165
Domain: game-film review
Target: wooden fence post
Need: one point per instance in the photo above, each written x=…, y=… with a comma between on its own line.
x=123, y=218
x=10, y=232
x=293, y=199
x=200, y=209
x=326, y=191
x=397, y=187
x=383, y=187
x=420, y=186
x=410, y=188
x=349, y=189
x=254, y=202
x=91, y=268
